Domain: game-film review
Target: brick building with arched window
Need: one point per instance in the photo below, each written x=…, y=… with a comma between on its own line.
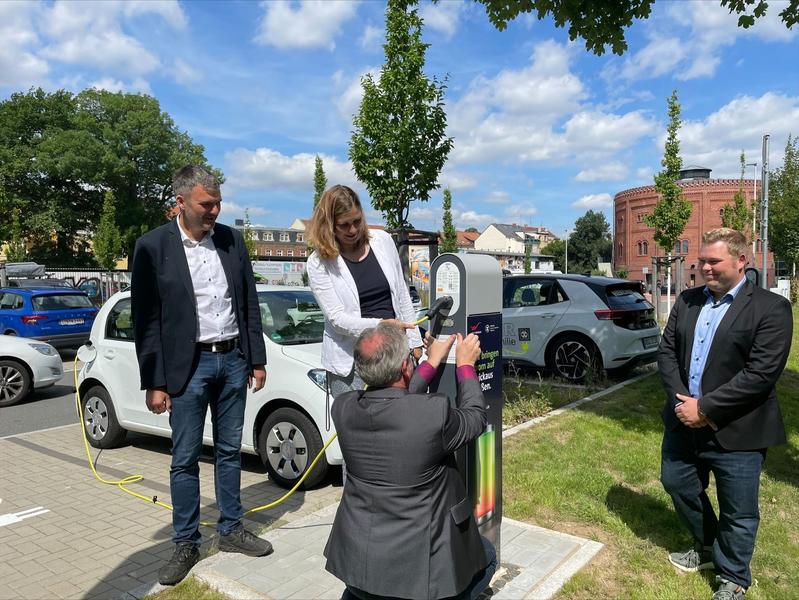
x=634, y=245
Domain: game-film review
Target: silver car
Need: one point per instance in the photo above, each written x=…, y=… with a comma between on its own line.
x=573, y=324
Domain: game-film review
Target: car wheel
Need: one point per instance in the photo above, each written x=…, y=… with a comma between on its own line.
x=288, y=442
x=15, y=382
x=100, y=419
x=573, y=357
x=10, y=332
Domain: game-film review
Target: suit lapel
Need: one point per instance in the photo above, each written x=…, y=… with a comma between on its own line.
x=696, y=302
x=177, y=256
x=224, y=247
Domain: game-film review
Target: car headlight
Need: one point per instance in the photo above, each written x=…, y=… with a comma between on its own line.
x=319, y=377
x=45, y=349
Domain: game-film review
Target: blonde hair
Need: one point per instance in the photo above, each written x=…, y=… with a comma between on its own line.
x=735, y=240
x=336, y=201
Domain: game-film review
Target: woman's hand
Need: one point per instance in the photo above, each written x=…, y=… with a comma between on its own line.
x=397, y=323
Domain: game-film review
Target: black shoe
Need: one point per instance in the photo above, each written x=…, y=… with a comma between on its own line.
x=242, y=541
x=186, y=555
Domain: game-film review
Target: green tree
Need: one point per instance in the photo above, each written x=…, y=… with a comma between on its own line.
x=107, y=239
x=319, y=180
x=672, y=211
x=399, y=142
x=472, y=230
x=557, y=249
x=59, y=152
x=17, y=248
x=449, y=242
x=590, y=242
x=783, y=216
x=527, y=250
x=600, y=24
x=249, y=237
x=736, y=215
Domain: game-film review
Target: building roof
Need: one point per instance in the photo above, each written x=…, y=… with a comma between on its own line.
x=512, y=231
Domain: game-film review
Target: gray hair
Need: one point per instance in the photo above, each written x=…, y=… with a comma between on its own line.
x=379, y=353
x=186, y=178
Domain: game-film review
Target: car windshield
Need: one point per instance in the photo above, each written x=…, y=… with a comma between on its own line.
x=291, y=317
x=61, y=302
x=626, y=296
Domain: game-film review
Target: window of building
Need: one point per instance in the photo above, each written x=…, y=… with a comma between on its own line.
x=279, y=253
x=685, y=246
x=643, y=248
x=300, y=237
x=268, y=253
x=268, y=237
x=284, y=237
x=621, y=249
x=303, y=253
x=290, y=253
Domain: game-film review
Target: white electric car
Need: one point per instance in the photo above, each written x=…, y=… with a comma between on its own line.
x=25, y=365
x=285, y=424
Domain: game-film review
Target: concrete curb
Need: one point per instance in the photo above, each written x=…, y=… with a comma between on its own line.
x=559, y=411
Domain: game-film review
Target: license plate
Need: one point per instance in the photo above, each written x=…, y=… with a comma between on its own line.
x=651, y=341
x=71, y=322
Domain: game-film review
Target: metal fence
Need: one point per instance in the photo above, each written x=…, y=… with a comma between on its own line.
x=97, y=283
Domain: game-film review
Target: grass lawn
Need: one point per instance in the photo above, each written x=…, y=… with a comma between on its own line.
x=189, y=589
x=594, y=472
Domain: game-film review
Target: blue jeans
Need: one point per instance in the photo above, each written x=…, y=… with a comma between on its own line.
x=219, y=381
x=688, y=457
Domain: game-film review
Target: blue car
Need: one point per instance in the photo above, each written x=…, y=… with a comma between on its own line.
x=59, y=316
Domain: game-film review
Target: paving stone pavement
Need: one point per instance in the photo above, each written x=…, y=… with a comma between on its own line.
x=91, y=540
x=536, y=562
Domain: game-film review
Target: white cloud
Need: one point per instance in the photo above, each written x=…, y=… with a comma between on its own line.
x=592, y=201
x=471, y=218
x=91, y=34
x=267, y=168
x=309, y=24
x=496, y=197
x=370, y=38
x=716, y=141
x=644, y=173
x=517, y=116
x=349, y=101
x=519, y=211
x=20, y=67
x=110, y=84
x=612, y=171
x=455, y=180
x=232, y=210
x=443, y=16
x=695, y=50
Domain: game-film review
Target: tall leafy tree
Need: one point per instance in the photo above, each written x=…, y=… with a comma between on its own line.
x=736, y=215
x=783, y=216
x=319, y=180
x=672, y=211
x=527, y=251
x=17, y=248
x=449, y=242
x=107, y=240
x=59, y=152
x=399, y=142
x=601, y=24
x=590, y=242
x=557, y=249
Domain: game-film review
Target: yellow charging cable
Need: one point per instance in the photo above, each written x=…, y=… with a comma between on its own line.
x=131, y=479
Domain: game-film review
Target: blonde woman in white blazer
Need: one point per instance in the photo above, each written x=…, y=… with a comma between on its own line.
x=357, y=279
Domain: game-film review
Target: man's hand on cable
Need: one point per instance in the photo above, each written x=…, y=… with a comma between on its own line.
x=158, y=401
x=467, y=351
x=437, y=350
x=257, y=378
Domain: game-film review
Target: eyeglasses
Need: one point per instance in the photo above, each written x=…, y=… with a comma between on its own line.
x=347, y=225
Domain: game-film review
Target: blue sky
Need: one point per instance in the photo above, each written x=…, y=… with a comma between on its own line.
x=543, y=130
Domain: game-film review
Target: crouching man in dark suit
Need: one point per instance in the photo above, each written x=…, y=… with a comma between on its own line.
x=405, y=526
x=723, y=350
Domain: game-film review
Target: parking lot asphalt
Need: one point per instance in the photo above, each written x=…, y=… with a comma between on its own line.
x=65, y=535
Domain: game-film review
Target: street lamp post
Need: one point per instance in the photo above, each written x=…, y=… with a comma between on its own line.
x=754, y=210
x=566, y=255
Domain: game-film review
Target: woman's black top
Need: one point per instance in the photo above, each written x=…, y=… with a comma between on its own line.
x=374, y=292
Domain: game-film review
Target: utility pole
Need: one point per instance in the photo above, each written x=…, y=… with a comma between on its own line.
x=764, y=218
x=754, y=211
x=566, y=255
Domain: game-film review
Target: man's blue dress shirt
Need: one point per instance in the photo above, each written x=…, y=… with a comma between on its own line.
x=709, y=318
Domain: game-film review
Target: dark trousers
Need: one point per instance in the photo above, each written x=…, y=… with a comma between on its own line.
x=688, y=457
x=476, y=587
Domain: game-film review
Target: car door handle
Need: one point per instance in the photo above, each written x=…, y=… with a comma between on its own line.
x=548, y=315
x=109, y=354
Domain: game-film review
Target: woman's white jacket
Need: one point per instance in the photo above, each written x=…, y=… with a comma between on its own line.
x=337, y=295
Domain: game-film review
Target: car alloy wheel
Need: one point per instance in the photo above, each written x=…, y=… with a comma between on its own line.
x=288, y=444
x=573, y=359
x=100, y=419
x=95, y=418
x=15, y=383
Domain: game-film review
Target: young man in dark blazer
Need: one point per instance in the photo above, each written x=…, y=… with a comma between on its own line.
x=405, y=526
x=722, y=352
x=199, y=343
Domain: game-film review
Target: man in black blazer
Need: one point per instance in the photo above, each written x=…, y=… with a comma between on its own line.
x=722, y=352
x=405, y=526
x=199, y=343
